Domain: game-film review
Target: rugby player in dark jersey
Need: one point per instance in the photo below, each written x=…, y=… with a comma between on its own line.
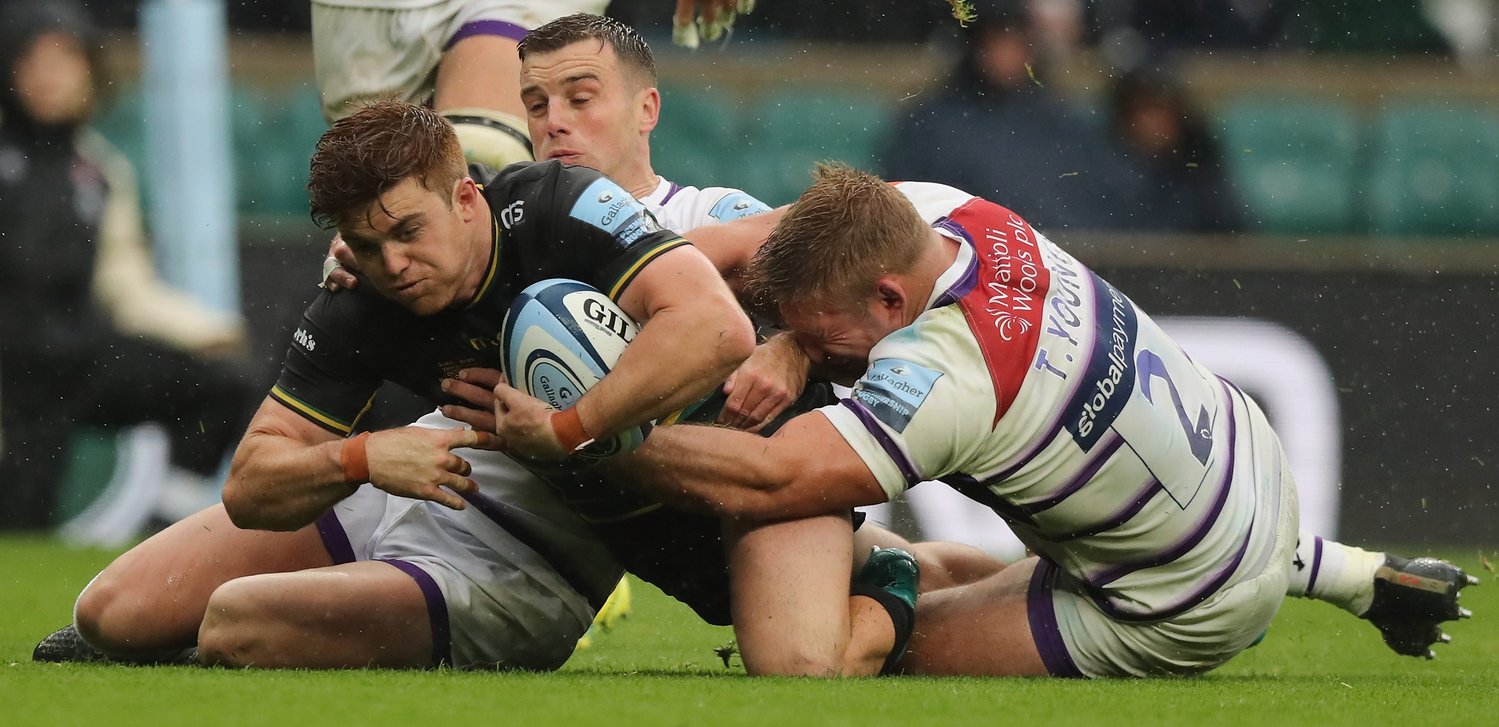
x=424, y=564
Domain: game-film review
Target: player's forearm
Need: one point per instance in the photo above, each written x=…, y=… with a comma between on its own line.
x=278, y=483
x=726, y=472
x=680, y=356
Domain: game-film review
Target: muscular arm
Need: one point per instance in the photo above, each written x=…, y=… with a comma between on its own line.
x=288, y=471
x=806, y=469
x=693, y=336
x=285, y=472
x=731, y=245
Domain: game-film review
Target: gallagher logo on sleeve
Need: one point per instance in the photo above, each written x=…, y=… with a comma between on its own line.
x=893, y=390
x=610, y=208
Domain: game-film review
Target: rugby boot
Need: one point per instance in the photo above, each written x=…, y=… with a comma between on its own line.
x=615, y=609
x=67, y=645
x=1412, y=597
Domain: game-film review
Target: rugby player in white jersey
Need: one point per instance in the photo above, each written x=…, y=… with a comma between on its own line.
x=1153, y=493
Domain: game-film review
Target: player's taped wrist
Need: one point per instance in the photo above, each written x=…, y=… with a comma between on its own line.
x=568, y=428
x=355, y=459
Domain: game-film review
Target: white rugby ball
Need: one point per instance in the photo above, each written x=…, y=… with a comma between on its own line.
x=560, y=337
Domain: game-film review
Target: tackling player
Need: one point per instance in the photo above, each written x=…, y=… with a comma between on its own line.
x=1154, y=493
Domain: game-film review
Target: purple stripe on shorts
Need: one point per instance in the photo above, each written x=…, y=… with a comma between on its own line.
x=334, y=538
x=907, y=467
x=1096, y=460
x=437, y=610
x=502, y=28
x=1316, y=564
x=1041, y=611
x=671, y=193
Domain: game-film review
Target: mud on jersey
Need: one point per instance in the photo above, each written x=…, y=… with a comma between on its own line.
x=1035, y=387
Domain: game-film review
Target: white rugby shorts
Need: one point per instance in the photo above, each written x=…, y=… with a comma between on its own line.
x=1078, y=639
x=511, y=581
x=368, y=49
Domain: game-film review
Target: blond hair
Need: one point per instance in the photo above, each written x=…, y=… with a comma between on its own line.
x=843, y=233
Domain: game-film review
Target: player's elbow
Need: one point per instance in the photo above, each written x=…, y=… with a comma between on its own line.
x=736, y=340
x=244, y=504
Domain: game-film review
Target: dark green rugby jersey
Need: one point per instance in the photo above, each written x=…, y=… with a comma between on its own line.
x=550, y=221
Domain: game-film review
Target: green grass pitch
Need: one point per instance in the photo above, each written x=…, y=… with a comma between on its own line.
x=1318, y=666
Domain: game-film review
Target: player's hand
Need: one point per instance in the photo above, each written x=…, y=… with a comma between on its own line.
x=476, y=388
x=765, y=384
x=336, y=275
x=419, y=463
x=524, y=425
x=705, y=19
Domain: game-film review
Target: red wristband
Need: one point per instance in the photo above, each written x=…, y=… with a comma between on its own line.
x=355, y=460
x=568, y=429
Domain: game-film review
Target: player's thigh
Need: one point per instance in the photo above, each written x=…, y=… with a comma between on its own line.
x=352, y=615
x=480, y=71
x=790, y=584
x=480, y=66
x=154, y=594
x=982, y=628
x=361, y=54
x=943, y=564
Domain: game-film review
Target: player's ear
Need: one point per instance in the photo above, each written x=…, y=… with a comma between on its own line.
x=891, y=294
x=649, y=101
x=467, y=199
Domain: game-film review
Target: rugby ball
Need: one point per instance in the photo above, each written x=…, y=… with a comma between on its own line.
x=560, y=337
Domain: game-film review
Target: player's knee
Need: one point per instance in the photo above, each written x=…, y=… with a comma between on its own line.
x=799, y=660
x=231, y=634
x=115, y=616
x=95, y=613
x=490, y=137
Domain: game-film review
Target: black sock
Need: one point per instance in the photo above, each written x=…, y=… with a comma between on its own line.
x=902, y=617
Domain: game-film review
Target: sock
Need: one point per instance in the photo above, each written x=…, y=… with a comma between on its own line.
x=1333, y=572
x=490, y=137
x=902, y=617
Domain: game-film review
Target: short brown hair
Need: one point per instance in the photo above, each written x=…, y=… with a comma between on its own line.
x=569, y=29
x=373, y=149
x=842, y=234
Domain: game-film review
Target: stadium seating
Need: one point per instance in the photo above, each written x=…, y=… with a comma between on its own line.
x=699, y=138
x=794, y=129
x=1293, y=163
x=1434, y=170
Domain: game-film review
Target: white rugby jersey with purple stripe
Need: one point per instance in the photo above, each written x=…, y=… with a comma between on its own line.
x=1034, y=387
x=681, y=208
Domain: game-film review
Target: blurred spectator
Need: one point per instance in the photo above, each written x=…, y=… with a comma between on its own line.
x=997, y=130
x=1183, y=180
x=88, y=335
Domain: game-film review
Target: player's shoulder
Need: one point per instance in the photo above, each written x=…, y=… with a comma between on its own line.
x=686, y=207
x=932, y=199
x=939, y=338
x=352, y=312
